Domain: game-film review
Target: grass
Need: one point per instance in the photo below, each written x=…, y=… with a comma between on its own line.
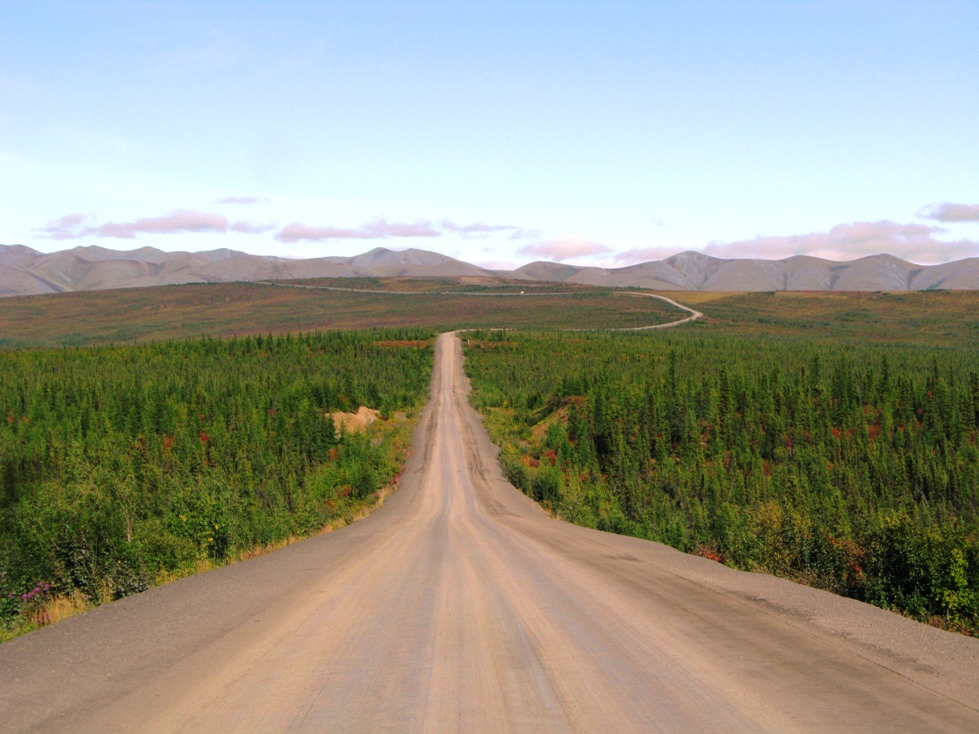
x=932, y=318
x=186, y=311
x=926, y=318
x=464, y=284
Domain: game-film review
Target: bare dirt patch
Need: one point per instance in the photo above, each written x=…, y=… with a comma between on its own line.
x=354, y=422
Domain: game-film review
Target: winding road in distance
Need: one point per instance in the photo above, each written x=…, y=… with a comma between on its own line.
x=460, y=606
x=694, y=314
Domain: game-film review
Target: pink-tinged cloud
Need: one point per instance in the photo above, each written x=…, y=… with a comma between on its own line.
x=249, y=228
x=64, y=228
x=298, y=231
x=949, y=212
x=76, y=226
x=245, y=200
x=478, y=229
x=377, y=229
x=178, y=222
x=570, y=248
x=380, y=228
x=916, y=243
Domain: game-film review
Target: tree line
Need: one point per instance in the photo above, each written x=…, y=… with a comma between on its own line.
x=853, y=468
x=119, y=464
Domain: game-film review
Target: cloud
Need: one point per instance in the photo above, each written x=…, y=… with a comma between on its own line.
x=570, y=248
x=178, y=222
x=76, y=226
x=249, y=228
x=239, y=200
x=380, y=229
x=64, y=227
x=297, y=231
x=914, y=242
x=376, y=230
x=478, y=228
x=948, y=212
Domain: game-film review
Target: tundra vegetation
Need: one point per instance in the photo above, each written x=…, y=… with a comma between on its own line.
x=139, y=315
x=123, y=467
x=827, y=438
x=841, y=463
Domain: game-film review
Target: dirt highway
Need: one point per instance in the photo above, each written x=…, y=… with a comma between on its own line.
x=460, y=606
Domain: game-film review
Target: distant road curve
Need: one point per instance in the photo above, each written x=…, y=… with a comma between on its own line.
x=694, y=315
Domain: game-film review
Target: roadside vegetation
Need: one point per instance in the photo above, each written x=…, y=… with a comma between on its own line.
x=837, y=462
x=125, y=467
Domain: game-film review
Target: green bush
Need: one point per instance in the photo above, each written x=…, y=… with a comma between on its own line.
x=853, y=468
x=118, y=465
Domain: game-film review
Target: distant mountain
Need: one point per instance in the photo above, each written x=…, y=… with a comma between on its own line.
x=24, y=271
x=694, y=271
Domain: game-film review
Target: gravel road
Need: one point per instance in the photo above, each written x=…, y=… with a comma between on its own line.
x=460, y=606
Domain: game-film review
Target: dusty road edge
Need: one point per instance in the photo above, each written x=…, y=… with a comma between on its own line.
x=931, y=658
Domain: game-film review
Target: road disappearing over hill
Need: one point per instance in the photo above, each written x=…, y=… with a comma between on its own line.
x=460, y=606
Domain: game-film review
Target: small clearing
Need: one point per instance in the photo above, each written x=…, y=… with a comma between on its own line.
x=354, y=422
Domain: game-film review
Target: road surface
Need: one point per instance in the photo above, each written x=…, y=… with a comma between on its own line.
x=459, y=606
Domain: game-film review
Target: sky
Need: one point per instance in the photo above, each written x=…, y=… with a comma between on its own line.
x=594, y=133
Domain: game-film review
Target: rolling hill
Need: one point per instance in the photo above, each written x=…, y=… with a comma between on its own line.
x=694, y=271
x=24, y=271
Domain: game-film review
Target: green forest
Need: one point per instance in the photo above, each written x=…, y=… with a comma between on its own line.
x=122, y=466
x=849, y=467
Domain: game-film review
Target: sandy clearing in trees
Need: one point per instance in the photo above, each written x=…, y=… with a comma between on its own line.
x=354, y=422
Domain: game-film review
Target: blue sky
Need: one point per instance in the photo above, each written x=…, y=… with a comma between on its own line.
x=498, y=132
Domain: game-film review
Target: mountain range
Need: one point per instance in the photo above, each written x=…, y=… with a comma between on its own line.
x=24, y=271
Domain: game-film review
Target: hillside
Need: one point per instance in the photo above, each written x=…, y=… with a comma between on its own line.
x=694, y=271
x=24, y=271
x=227, y=309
